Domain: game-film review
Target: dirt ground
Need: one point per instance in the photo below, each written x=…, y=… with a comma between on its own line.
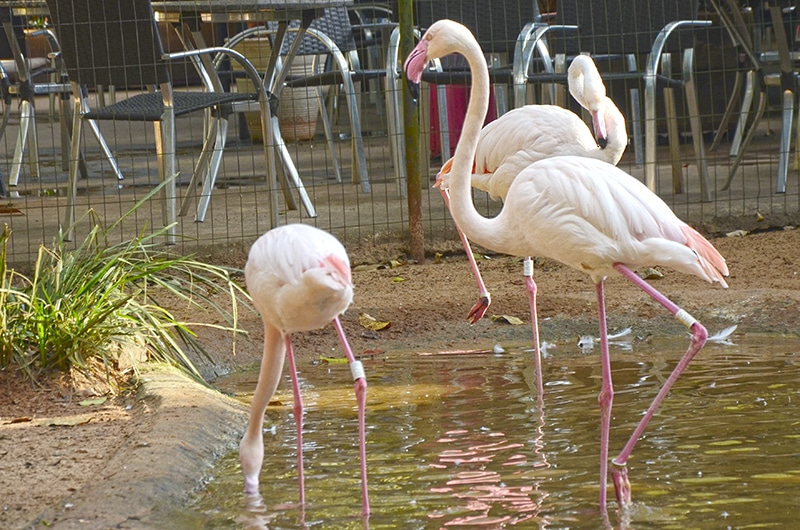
x=53, y=442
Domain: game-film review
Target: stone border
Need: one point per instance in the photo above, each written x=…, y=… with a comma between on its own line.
x=183, y=428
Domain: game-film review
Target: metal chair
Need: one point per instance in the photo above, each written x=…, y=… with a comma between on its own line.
x=620, y=32
x=116, y=42
x=772, y=68
x=331, y=36
x=21, y=76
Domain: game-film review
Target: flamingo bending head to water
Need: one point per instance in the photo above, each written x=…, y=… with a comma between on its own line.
x=299, y=279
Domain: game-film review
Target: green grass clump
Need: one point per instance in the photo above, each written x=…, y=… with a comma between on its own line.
x=81, y=307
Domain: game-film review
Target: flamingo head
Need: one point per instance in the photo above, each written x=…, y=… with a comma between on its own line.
x=442, y=38
x=587, y=87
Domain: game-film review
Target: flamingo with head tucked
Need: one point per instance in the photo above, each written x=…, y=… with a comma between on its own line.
x=582, y=212
x=533, y=132
x=299, y=279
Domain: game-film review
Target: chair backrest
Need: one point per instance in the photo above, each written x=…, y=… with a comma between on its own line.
x=109, y=42
x=622, y=26
x=335, y=23
x=496, y=25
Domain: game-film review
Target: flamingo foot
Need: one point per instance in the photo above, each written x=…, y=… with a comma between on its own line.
x=479, y=309
x=622, y=486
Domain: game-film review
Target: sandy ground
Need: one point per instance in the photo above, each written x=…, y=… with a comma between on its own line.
x=61, y=458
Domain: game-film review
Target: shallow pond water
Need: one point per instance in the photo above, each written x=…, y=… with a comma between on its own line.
x=461, y=440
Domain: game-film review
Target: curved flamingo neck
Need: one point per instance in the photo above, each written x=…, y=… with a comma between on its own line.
x=472, y=223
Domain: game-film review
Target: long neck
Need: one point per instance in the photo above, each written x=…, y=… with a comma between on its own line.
x=472, y=223
x=617, y=133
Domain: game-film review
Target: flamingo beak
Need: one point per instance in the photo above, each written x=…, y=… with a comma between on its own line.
x=413, y=89
x=600, y=131
x=414, y=65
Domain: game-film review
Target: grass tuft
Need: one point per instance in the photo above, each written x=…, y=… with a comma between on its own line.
x=83, y=307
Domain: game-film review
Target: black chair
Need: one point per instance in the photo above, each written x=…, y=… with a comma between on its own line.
x=618, y=34
x=372, y=24
x=116, y=42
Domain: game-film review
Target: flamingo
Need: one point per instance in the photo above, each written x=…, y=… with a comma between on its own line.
x=510, y=143
x=584, y=213
x=299, y=279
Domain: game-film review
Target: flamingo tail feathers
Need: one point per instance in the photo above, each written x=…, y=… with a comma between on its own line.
x=711, y=260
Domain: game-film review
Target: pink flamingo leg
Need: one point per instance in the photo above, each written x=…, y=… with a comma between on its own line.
x=699, y=336
x=298, y=417
x=530, y=287
x=482, y=305
x=606, y=397
x=357, y=370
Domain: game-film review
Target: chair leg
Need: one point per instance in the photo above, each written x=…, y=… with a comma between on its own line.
x=74, y=163
x=33, y=144
x=786, y=140
x=328, y=130
x=744, y=114
x=66, y=134
x=167, y=168
x=291, y=173
x=796, y=166
x=444, y=121
x=213, y=168
x=105, y=148
x=674, y=140
x=696, y=125
x=650, y=134
x=762, y=103
x=636, y=117
x=267, y=133
x=203, y=168
x=559, y=92
x=726, y=117
x=26, y=125
x=672, y=127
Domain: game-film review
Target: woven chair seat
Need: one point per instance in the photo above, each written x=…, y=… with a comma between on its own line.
x=150, y=106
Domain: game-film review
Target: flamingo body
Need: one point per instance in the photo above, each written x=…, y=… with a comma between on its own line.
x=511, y=142
x=589, y=215
x=299, y=280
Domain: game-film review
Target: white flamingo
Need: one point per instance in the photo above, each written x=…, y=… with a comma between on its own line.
x=533, y=132
x=583, y=212
x=299, y=279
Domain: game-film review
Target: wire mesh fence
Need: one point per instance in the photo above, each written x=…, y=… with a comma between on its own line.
x=369, y=207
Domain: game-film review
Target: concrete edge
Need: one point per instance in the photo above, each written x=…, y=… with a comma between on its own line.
x=183, y=428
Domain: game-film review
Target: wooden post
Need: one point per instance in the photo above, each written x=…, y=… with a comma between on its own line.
x=405, y=10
